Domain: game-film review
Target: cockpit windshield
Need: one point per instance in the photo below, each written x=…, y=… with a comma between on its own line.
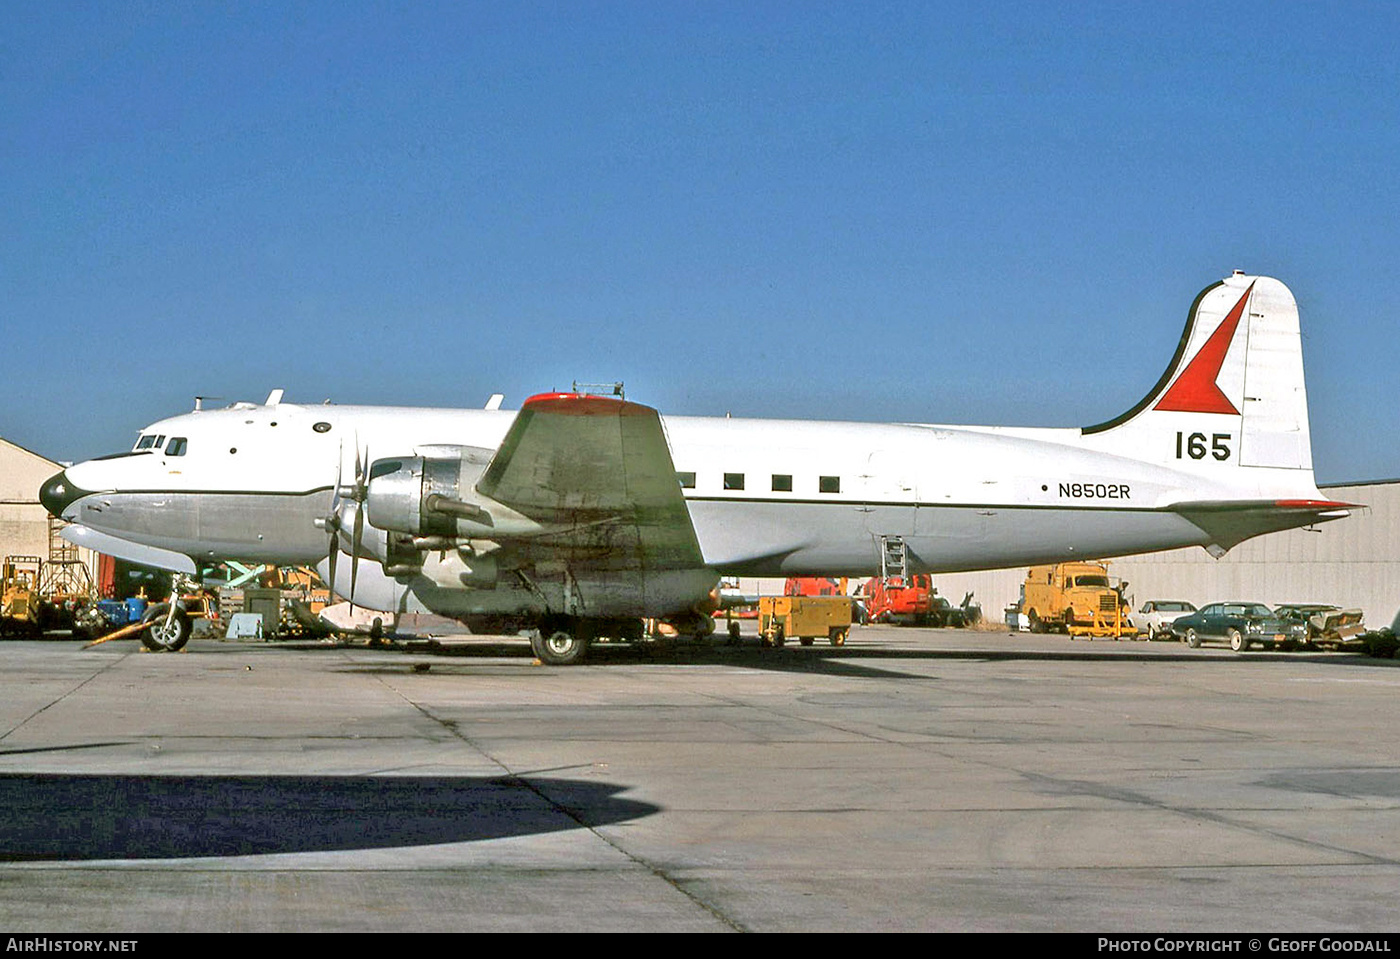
x=149, y=441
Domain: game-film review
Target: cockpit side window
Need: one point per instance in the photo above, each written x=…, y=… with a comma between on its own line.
x=176, y=446
x=146, y=442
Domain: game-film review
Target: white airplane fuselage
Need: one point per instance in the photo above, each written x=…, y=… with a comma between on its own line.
x=782, y=497
x=252, y=481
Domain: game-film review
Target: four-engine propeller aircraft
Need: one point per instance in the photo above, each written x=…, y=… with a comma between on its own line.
x=580, y=514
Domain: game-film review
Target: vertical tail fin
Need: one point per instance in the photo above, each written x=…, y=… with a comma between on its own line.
x=1233, y=394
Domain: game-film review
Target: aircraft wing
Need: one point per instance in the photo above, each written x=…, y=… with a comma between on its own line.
x=599, y=471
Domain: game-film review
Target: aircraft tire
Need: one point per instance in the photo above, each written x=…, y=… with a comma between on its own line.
x=559, y=647
x=162, y=637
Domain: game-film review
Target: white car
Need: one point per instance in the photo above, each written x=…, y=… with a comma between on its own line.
x=1155, y=618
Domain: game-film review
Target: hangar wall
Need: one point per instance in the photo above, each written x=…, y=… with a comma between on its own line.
x=1349, y=562
x=24, y=523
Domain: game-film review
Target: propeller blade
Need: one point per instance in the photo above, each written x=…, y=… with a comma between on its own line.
x=339, y=478
x=358, y=530
x=355, y=540
x=333, y=556
x=361, y=483
x=333, y=520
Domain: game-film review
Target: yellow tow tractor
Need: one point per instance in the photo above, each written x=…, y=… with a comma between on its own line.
x=804, y=618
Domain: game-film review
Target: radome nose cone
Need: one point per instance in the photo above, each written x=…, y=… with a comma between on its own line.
x=57, y=494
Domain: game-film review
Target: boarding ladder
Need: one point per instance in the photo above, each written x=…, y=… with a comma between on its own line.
x=894, y=557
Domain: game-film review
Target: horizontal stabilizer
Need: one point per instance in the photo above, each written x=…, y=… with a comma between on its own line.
x=1229, y=522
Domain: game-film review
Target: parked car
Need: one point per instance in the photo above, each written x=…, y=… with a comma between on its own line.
x=1326, y=625
x=1155, y=618
x=1239, y=624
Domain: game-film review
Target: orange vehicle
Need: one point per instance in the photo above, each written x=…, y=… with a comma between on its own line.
x=911, y=600
x=814, y=586
x=828, y=586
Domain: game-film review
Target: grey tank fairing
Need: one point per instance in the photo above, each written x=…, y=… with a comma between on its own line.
x=248, y=527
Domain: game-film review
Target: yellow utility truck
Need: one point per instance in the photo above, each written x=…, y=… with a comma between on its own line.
x=1078, y=598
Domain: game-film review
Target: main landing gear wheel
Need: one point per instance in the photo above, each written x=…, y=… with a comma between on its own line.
x=559, y=647
x=165, y=633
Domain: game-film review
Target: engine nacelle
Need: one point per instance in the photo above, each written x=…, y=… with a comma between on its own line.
x=400, y=487
x=435, y=496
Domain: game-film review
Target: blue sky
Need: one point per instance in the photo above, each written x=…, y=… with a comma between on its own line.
x=971, y=213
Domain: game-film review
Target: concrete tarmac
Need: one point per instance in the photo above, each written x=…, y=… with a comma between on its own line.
x=912, y=780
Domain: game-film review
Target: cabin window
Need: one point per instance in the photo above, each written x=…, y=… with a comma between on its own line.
x=782, y=483
x=176, y=446
x=829, y=484
x=733, y=480
x=687, y=480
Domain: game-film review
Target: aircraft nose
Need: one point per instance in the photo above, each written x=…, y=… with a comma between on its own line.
x=57, y=493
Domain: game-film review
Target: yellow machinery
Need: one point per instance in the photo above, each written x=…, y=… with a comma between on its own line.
x=21, y=605
x=804, y=618
x=1078, y=598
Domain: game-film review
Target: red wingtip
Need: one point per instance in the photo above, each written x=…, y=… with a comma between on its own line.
x=1316, y=505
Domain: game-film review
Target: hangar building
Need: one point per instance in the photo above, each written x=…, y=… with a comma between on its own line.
x=24, y=523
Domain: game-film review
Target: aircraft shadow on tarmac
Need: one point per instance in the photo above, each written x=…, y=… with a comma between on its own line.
x=854, y=661
x=79, y=817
